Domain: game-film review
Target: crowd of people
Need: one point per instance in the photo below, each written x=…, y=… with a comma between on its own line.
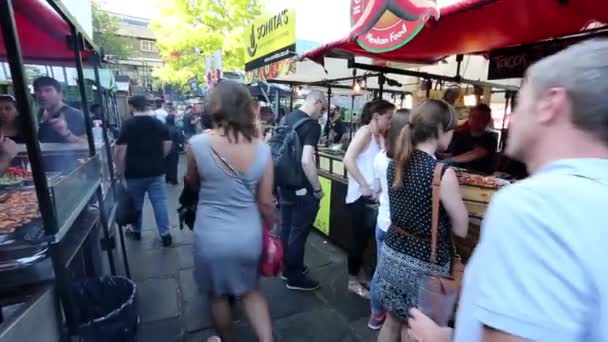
x=536, y=274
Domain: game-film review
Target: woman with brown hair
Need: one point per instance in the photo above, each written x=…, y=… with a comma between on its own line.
x=383, y=221
x=406, y=252
x=362, y=192
x=232, y=170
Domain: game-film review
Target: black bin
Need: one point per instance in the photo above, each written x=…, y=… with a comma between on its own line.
x=107, y=309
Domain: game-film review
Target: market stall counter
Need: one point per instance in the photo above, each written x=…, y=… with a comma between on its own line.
x=333, y=219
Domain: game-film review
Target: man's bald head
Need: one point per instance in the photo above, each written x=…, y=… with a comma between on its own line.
x=315, y=104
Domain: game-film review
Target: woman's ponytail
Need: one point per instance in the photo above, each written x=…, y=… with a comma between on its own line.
x=405, y=147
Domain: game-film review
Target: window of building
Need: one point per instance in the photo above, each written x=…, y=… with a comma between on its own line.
x=148, y=45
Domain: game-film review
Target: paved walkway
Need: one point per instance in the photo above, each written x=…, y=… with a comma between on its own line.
x=172, y=310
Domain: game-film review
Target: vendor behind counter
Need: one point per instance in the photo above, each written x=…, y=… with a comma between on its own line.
x=474, y=145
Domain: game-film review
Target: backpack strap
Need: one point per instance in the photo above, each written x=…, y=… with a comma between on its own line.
x=300, y=122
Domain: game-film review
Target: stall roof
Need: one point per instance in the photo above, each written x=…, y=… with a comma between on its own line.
x=43, y=34
x=475, y=26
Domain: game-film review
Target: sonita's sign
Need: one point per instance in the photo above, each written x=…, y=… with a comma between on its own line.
x=386, y=25
x=271, y=38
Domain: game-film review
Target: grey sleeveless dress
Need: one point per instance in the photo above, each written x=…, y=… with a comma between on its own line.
x=228, y=228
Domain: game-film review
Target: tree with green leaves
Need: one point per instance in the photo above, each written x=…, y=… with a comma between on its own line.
x=105, y=34
x=189, y=30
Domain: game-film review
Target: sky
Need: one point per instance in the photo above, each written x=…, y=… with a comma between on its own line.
x=320, y=21
x=330, y=16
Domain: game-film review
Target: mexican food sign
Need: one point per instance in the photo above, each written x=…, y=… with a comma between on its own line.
x=271, y=38
x=386, y=25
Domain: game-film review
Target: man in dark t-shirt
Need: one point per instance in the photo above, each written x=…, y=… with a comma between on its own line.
x=299, y=206
x=59, y=123
x=141, y=148
x=336, y=126
x=190, y=122
x=474, y=146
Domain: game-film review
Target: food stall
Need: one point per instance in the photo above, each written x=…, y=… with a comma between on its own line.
x=429, y=35
x=52, y=231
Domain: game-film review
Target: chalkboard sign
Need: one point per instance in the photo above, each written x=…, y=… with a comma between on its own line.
x=514, y=61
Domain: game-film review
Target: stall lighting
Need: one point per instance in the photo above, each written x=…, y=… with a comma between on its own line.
x=357, y=87
x=408, y=103
x=299, y=92
x=470, y=100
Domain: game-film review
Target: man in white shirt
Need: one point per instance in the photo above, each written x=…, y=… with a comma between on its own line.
x=539, y=272
x=161, y=112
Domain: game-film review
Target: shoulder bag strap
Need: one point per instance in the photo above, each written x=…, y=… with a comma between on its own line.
x=435, y=211
x=300, y=123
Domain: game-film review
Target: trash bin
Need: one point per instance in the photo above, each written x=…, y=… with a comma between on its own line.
x=107, y=309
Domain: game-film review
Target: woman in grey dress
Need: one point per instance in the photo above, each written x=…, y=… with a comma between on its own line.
x=232, y=169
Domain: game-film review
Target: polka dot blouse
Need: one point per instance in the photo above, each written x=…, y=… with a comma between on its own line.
x=411, y=210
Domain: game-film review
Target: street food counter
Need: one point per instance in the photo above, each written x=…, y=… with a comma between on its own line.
x=476, y=190
x=333, y=218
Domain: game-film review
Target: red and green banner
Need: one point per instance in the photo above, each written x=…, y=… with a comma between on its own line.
x=386, y=25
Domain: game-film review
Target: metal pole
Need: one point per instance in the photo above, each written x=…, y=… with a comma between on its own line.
x=503, y=129
x=28, y=123
x=459, y=59
x=82, y=88
x=328, y=118
x=108, y=150
x=291, y=97
x=424, y=75
x=106, y=125
x=277, y=99
x=78, y=39
x=381, y=85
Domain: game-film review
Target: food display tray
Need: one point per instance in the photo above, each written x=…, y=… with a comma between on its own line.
x=19, y=256
x=32, y=232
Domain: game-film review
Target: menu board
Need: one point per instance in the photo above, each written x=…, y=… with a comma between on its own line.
x=338, y=168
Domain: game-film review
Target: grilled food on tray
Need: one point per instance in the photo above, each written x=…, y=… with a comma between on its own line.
x=481, y=181
x=20, y=208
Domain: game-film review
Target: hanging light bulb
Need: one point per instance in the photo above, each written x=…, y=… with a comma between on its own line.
x=470, y=100
x=408, y=103
x=364, y=84
x=357, y=87
x=299, y=92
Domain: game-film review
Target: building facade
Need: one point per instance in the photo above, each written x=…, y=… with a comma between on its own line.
x=145, y=59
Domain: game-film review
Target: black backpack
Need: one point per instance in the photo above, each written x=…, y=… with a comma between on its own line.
x=286, y=149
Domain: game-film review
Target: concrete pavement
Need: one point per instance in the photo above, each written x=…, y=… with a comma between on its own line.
x=171, y=309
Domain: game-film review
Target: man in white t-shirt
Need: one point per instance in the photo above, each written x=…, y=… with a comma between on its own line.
x=161, y=112
x=539, y=272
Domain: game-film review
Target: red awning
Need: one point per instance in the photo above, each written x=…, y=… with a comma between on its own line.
x=475, y=26
x=43, y=34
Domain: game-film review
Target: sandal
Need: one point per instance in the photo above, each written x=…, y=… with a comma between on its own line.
x=358, y=289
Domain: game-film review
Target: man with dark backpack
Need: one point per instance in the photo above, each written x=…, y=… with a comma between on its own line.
x=293, y=148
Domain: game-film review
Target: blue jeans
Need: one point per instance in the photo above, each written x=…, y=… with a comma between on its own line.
x=298, y=214
x=155, y=187
x=376, y=306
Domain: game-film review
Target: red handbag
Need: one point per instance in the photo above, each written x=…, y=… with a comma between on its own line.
x=271, y=263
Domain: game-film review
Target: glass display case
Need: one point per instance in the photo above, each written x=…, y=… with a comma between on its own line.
x=55, y=164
